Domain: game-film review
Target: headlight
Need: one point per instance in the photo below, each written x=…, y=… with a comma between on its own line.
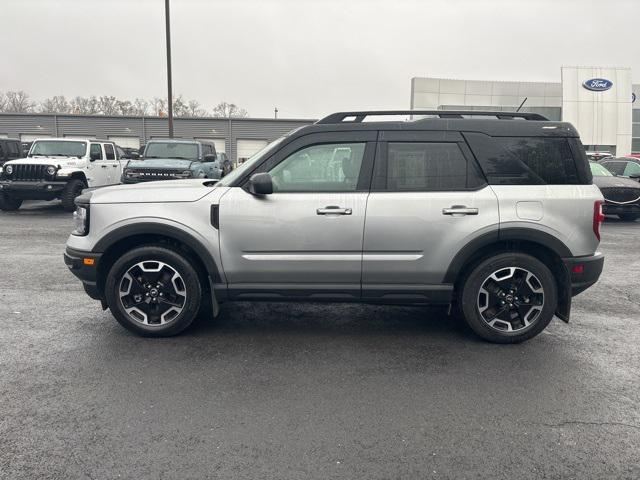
x=129, y=173
x=51, y=171
x=184, y=174
x=81, y=221
x=9, y=169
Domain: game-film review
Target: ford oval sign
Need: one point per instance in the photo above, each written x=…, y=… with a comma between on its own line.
x=597, y=84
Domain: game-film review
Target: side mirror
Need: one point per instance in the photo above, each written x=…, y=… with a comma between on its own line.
x=134, y=156
x=260, y=184
x=635, y=176
x=210, y=157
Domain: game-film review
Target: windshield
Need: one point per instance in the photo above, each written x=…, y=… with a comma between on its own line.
x=249, y=163
x=599, y=171
x=183, y=151
x=57, y=148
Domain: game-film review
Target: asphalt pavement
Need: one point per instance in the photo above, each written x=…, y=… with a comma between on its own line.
x=281, y=391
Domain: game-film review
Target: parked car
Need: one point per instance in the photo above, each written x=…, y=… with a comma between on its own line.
x=26, y=146
x=59, y=168
x=174, y=159
x=623, y=166
x=225, y=163
x=494, y=217
x=129, y=153
x=597, y=156
x=10, y=149
x=621, y=195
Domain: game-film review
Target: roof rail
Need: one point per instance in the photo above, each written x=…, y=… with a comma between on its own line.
x=359, y=117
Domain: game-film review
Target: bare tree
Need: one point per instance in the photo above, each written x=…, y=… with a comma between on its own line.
x=108, y=105
x=3, y=102
x=55, y=104
x=195, y=110
x=226, y=110
x=180, y=108
x=18, y=101
x=159, y=107
x=85, y=105
x=140, y=107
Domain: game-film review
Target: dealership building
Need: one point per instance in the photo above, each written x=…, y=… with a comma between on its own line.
x=238, y=137
x=600, y=102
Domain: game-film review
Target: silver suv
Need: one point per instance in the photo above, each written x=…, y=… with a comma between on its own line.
x=492, y=214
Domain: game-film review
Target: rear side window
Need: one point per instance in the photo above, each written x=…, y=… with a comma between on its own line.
x=13, y=151
x=525, y=160
x=108, y=149
x=423, y=166
x=615, y=167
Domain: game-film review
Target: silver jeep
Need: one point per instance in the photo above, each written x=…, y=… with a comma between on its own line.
x=493, y=214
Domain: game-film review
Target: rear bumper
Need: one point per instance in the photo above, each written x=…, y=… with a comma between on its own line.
x=79, y=263
x=584, y=271
x=32, y=190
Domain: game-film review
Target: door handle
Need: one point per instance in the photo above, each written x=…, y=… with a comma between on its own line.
x=333, y=210
x=104, y=166
x=459, y=210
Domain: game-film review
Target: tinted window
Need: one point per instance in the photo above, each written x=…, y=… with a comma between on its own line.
x=525, y=160
x=13, y=151
x=421, y=166
x=96, y=151
x=108, y=149
x=615, y=167
x=320, y=168
x=1, y=152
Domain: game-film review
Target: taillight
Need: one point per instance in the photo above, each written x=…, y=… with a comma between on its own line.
x=598, y=217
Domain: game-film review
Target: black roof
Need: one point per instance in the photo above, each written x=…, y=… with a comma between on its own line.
x=491, y=123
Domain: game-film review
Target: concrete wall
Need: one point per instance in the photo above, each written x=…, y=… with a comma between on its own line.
x=602, y=117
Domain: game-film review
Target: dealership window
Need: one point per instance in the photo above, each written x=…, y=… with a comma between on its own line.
x=636, y=114
x=635, y=145
x=333, y=167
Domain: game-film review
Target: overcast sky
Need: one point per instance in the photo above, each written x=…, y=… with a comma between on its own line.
x=306, y=57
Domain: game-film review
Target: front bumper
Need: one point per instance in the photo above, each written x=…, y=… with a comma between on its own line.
x=615, y=208
x=32, y=189
x=584, y=271
x=84, y=265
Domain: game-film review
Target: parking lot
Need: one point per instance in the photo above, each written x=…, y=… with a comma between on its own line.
x=309, y=391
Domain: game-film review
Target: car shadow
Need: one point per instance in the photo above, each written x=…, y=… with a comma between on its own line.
x=37, y=208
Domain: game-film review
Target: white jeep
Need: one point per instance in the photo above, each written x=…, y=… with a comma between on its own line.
x=59, y=168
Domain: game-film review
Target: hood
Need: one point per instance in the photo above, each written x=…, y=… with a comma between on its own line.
x=161, y=192
x=608, y=182
x=63, y=162
x=156, y=163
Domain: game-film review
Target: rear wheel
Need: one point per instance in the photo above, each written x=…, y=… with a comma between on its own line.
x=153, y=291
x=71, y=191
x=509, y=298
x=629, y=217
x=8, y=203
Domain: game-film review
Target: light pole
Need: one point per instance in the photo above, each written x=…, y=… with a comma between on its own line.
x=169, y=94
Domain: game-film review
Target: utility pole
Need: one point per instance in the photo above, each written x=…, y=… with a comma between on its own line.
x=169, y=95
x=275, y=112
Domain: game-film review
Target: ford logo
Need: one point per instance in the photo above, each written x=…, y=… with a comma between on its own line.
x=597, y=84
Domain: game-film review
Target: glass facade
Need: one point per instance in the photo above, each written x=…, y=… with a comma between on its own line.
x=635, y=131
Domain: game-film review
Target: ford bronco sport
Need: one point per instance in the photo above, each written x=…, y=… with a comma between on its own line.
x=59, y=168
x=493, y=214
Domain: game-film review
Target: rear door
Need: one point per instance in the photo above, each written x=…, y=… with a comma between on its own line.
x=114, y=168
x=305, y=239
x=427, y=201
x=98, y=168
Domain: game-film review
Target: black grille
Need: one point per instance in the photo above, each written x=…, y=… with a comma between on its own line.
x=148, y=175
x=29, y=172
x=621, y=194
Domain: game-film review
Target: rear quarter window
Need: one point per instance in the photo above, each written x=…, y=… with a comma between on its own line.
x=526, y=160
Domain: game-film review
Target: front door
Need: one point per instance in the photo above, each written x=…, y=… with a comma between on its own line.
x=304, y=239
x=428, y=200
x=98, y=168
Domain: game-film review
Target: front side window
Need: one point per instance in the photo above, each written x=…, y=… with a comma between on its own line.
x=96, y=151
x=182, y=151
x=61, y=148
x=423, y=166
x=333, y=167
x=108, y=149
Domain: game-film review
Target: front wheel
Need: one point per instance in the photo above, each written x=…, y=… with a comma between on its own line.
x=71, y=190
x=509, y=298
x=8, y=203
x=153, y=291
x=629, y=217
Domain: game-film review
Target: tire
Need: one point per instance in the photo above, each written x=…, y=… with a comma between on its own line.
x=628, y=217
x=71, y=191
x=484, y=295
x=154, y=315
x=8, y=203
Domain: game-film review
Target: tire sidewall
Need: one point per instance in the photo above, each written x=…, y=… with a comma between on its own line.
x=9, y=203
x=71, y=191
x=477, y=277
x=178, y=262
